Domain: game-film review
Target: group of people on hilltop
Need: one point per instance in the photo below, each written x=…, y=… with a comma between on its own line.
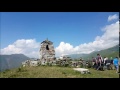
x=99, y=62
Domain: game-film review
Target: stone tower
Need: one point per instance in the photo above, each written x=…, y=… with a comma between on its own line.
x=47, y=52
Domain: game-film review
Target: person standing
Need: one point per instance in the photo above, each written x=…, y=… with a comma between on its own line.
x=93, y=62
x=116, y=64
x=99, y=62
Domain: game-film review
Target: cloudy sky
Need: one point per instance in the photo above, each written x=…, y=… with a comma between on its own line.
x=71, y=32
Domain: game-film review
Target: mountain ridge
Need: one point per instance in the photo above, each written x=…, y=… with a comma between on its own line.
x=11, y=61
x=109, y=52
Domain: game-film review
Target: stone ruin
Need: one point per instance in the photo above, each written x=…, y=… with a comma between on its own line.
x=47, y=55
x=47, y=52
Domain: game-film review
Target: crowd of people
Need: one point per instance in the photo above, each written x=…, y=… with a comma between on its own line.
x=99, y=63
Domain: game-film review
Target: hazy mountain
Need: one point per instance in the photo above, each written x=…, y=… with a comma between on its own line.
x=110, y=52
x=11, y=61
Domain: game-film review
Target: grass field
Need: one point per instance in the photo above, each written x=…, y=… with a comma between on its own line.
x=55, y=72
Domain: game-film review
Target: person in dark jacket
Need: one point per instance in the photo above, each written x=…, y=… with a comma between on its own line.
x=99, y=62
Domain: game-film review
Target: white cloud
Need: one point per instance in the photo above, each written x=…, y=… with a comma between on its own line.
x=112, y=17
x=108, y=39
x=28, y=47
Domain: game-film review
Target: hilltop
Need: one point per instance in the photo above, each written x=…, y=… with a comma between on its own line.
x=14, y=60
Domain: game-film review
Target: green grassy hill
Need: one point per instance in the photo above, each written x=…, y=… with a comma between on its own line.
x=55, y=72
x=110, y=52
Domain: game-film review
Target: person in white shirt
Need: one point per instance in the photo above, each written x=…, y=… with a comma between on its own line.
x=105, y=58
